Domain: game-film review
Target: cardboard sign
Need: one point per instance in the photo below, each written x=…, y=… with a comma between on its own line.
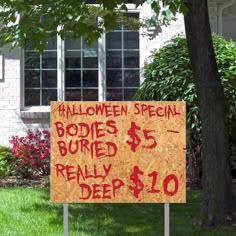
x=118, y=152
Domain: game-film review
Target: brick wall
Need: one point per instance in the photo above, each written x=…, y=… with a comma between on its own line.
x=10, y=95
x=11, y=117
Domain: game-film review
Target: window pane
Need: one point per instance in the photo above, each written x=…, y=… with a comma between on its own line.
x=90, y=78
x=114, y=59
x=73, y=95
x=90, y=94
x=123, y=53
x=32, y=78
x=91, y=1
x=90, y=59
x=94, y=45
x=49, y=60
x=134, y=15
x=73, y=78
x=131, y=59
x=118, y=26
x=131, y=78
x=73, y=59
x=28, y=45
x=51, y=44
x=131, y=40
x=48, y=96
x=114, y=94
x=32, y=60
x=71, y=43
x=43, y=76
x=114, y=78
x=130, y=1
x=49, y=78
x=129, y=94
x=94, y=1
x=114, y=40
x=32, y=97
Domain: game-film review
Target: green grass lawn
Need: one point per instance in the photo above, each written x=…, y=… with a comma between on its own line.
x=27, y=211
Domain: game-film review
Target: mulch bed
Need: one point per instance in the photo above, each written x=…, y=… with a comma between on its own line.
x=13, y=181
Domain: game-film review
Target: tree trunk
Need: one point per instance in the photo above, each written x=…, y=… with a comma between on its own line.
x=218, y=199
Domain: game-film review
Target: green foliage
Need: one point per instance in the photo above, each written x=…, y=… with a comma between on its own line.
x=225, y=57
x=7, y=161
x=40, y=20
x=169, y=78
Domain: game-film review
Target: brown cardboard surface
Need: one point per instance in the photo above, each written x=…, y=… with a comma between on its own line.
x=118, y=152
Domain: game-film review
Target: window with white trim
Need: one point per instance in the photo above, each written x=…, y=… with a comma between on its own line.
x=81, y=70
x=40, y=75
x=122, y=63
x=70, y=70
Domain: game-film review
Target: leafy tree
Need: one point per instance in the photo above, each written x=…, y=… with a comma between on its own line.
x=218, y=204
x=41, y=20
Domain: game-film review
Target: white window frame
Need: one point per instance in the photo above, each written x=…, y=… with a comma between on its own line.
x=61, y=69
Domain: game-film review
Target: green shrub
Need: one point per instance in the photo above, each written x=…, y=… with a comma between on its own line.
x=169, y=78
x=7, y=161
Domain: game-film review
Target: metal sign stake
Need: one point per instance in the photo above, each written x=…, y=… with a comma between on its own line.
x=167, y=219
x=65, y=218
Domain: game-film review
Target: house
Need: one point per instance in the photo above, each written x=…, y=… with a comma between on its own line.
x=69, y=70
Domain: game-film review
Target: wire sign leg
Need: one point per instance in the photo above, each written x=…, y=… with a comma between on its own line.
x=167, y=219
x=65, y=218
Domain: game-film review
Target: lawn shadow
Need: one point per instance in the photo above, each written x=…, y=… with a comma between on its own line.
x=104, y=219
x=117, y=219
x=123, y=219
